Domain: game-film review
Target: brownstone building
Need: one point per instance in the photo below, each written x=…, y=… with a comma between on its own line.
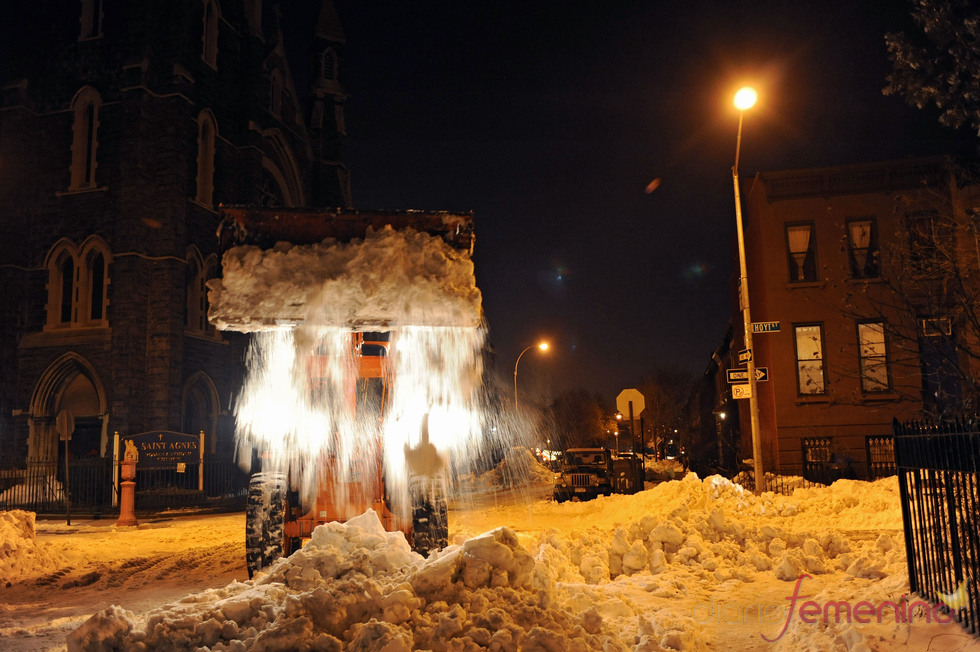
x=870, y=271
x=124, y=124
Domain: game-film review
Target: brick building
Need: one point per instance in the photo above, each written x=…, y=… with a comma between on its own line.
x=123, y=125
x=871, y=271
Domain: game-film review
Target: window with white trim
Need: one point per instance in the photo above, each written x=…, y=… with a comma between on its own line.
x=862, y=247
x=801, y=248
x=810, y=368
x=84, y=143
x=873, y=356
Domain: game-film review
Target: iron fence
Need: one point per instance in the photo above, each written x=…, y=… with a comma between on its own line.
x=938, y=482
x=881, y=456
x=822, y=466
x=39, y=486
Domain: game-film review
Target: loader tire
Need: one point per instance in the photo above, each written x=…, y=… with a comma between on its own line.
x=430, y=518
x=266, y=510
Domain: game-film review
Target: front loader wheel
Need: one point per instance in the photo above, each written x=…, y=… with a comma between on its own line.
x=266, y=511
x=430, y=516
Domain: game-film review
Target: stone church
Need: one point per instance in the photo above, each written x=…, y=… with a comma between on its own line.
x=124, y=125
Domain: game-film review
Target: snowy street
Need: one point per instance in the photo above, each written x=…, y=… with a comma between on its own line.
x=685, y=565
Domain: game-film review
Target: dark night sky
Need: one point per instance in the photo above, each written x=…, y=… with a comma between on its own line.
x=548, y=119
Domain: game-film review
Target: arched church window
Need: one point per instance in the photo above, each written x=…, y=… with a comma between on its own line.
x=270, y=192
x=91, y=19
x=84, y=145
x=206, y=132
x=210, y=44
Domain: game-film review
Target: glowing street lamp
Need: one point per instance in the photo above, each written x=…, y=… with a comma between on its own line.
x=542, y=346
x=745, y=99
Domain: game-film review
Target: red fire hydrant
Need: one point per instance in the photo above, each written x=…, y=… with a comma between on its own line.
x=127, y=499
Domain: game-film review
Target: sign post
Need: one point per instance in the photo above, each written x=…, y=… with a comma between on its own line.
x=631, y=401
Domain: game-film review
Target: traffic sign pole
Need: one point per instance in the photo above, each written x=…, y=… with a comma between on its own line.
x=743, y=287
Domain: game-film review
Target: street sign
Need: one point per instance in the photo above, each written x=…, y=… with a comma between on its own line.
x=742, y=375
x=765, y=327
x=628, y=396
x=744, y=355
x=741, y=391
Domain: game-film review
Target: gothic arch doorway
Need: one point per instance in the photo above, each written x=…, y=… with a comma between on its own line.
x=199, y=412
x=69, y=385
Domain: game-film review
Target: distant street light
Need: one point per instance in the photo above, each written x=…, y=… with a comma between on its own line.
x=542, y=346
x=745, y=99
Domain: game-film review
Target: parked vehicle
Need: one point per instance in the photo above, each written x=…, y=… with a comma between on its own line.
x=585, y=474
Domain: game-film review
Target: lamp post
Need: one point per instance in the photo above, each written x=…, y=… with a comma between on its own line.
x=542, y=346
x=745, y=99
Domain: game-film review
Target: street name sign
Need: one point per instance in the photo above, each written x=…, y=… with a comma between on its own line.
x=742, y=375
x=765, y=327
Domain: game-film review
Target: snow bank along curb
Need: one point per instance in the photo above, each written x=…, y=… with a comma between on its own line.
x=355, y=585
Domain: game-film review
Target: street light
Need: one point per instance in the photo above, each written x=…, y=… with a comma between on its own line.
x=745, y=99
x=541, y=345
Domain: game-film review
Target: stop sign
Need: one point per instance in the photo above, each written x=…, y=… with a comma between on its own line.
x=628, y=396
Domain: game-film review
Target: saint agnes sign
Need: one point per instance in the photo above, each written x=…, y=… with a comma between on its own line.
x=160, y=449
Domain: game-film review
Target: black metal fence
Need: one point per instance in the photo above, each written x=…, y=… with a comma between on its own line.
x=823, y=464
x=881, y=456
x=40, y=487
x=938, y=480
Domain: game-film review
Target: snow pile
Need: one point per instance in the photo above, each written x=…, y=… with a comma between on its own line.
x=726, y=533
x=20, y=555
x=401, y=277
x=355, y=585
x=686, y=565
x=518, y=468
x=45, y=488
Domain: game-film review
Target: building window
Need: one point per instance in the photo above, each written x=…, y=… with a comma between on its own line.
x=96, y=288
x=328, y=65
x=64, y=291
x=210, y=41
x=196, y=310
x=810, y=372
x=338, y=115
x=862, y=248
x=928, y=237
x=78, y=282
x=91, y=19
x=939, y=362
x=275, y=93
x=85, y=143
x=802, y=253
x=270, y=192
x=873, y=356
x=974, y=215
x=205, y=158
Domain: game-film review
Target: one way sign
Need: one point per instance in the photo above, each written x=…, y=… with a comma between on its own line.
x=742, y=375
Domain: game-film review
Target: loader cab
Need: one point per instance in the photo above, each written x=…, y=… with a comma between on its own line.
x=373, y=391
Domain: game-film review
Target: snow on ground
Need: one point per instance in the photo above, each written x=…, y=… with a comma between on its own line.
x=685, y=565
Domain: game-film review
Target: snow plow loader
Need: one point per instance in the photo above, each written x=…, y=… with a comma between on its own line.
x=355, y=317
